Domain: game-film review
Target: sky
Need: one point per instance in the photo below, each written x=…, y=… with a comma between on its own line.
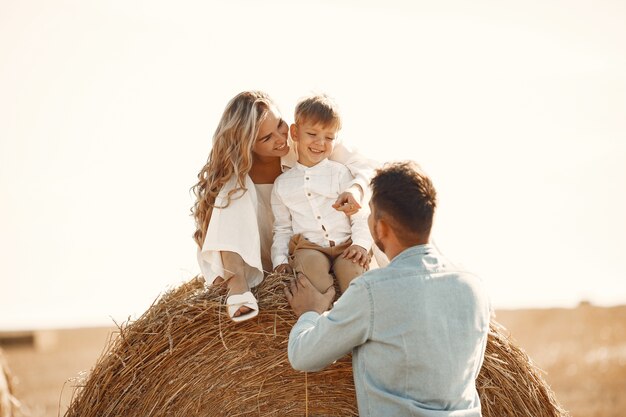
x=517, y=110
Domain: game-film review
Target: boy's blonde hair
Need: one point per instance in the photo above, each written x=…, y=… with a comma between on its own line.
x=318, y=109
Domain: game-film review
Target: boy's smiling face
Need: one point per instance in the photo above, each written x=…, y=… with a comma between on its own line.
x=314, y=142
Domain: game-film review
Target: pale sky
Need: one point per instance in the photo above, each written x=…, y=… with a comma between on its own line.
x=517, y=110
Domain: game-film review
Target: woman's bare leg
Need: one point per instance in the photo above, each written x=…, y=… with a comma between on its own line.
x=234, y=267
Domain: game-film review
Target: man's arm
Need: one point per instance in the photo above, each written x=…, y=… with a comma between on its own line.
x=317, y=340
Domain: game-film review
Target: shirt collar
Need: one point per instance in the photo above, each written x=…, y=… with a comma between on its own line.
x=419, y=250
x=316, y=166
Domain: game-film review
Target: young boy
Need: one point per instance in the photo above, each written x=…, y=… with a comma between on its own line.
x=310, y=236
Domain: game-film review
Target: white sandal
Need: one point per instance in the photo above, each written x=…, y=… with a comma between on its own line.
x=236, y=301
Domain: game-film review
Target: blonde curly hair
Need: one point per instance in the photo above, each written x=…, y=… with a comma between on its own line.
x=231, y=155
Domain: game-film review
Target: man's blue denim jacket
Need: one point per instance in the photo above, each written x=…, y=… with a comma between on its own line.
x=417, y=330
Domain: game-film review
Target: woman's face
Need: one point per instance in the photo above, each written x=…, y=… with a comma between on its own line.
x=272, y=138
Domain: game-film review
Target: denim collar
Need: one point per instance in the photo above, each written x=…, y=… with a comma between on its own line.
x=419, y=250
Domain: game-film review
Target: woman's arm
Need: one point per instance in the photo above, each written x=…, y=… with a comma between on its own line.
x=283, y=229
x=362, y=169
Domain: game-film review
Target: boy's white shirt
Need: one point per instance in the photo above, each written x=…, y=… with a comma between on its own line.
x=235, y=228
x=302, y=201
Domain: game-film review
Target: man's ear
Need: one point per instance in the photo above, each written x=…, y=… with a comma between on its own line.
x=293, y=129
x=382, y=228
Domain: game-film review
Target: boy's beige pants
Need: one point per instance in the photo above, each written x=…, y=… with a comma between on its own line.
x=317, y=262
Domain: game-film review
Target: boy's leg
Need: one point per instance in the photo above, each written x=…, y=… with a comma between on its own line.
x=345, y=271
x=310, y=259
x=315, y=265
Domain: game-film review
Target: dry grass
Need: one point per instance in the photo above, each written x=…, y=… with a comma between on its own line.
x=9, y=405
x=509, y=383
x=582, y=350
x=184, y=357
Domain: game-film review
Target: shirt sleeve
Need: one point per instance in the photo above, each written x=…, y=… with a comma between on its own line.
x=361, y=168
x=360, y=230
x=283, y=229
x=316, y=341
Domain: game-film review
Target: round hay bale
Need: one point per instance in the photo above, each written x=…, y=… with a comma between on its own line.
x=185, y=357
x=510, y=384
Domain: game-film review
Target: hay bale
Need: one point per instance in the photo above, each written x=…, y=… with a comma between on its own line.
x=184, y=357
x=510, y=384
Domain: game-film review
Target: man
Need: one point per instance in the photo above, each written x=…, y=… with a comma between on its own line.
x=417, y=329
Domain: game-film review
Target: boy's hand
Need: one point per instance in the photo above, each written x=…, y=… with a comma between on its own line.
x=357, y=254
x=303, y=296
x=348, y=202
x=284, y=269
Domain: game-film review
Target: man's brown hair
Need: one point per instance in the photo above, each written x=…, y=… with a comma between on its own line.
x=406, y=197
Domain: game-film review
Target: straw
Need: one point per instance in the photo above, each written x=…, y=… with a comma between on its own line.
x=9, y=405
x=185, y=357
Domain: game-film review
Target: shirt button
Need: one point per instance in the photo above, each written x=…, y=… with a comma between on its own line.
x=326, y=235
x=307, y=178
x=309, y=194
x=318, y=217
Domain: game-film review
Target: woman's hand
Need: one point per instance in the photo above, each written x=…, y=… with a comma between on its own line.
x=358, y=254
x=284, y=269
x=348, y=202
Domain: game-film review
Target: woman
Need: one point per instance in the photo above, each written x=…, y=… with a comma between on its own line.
x=232, y=210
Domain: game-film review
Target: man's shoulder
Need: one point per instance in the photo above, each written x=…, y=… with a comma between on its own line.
x=370, y=281
x=406, y=270
x=374, y=275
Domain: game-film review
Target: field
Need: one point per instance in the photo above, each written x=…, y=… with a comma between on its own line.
x=582, y=351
